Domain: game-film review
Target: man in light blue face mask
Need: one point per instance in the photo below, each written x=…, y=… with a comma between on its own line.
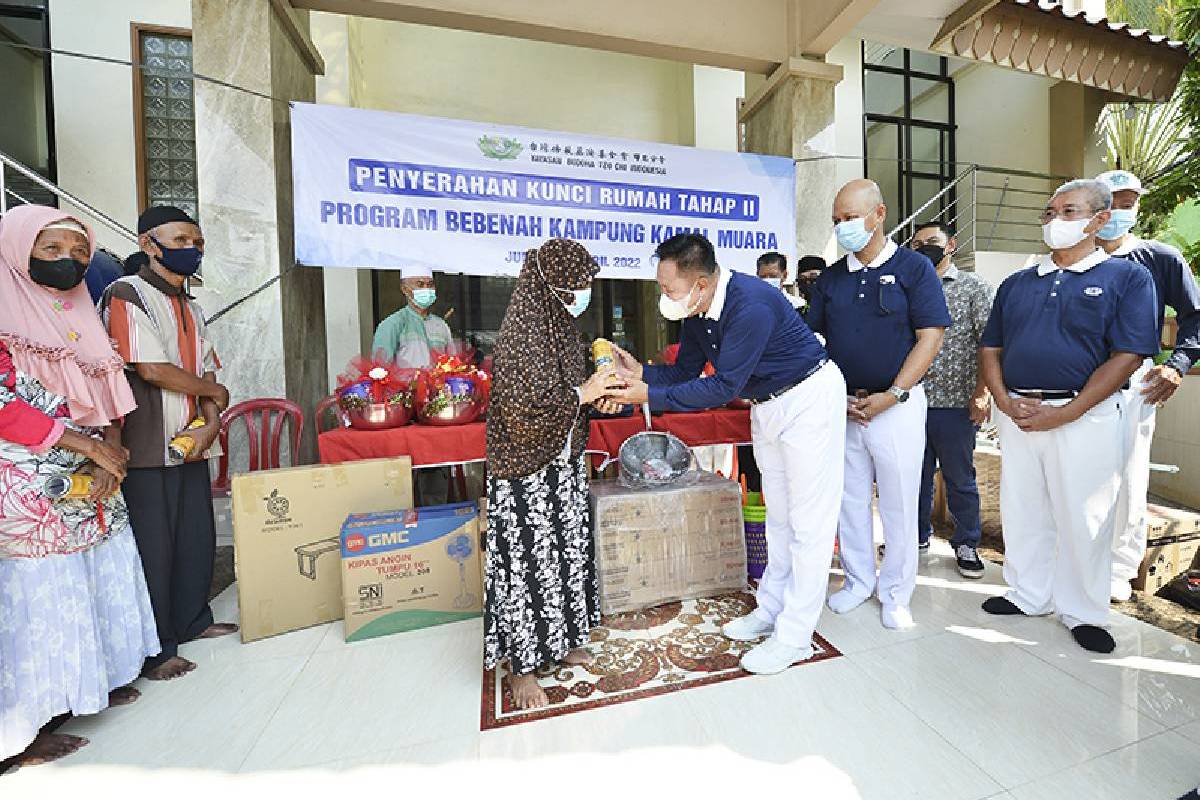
x=1151, y=386
x=883, y=314
x=409, y=335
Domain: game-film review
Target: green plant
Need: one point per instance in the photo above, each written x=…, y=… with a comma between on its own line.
x=1148, y=140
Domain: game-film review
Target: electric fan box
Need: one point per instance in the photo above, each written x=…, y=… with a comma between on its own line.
x=410, y=568
x=286, y=535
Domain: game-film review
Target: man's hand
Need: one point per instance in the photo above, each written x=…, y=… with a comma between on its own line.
x=1018, y=408
x=204, y=436
x=219, y=395
x=635, y=393
x=628, y=367
x=865, y=410
x=1160, y=383
x=980, y=407
x=1045, y=418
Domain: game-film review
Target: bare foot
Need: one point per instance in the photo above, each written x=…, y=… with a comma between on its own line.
x=527, y=693
x=218, y=629
x=49, y=747
x=123, y=696
x=579, y=657
x=173, y=667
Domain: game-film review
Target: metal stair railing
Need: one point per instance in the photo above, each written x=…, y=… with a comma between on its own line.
x=7, y=163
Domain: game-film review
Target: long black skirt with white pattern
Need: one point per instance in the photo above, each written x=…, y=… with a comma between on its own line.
x=542, y=595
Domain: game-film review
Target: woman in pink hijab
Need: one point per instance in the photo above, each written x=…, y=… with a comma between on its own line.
x=75, y=616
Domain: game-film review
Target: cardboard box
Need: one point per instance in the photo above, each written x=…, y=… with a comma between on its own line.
x=1166, y=558
x=409, y=569
x=286, y=524
x=672, y=543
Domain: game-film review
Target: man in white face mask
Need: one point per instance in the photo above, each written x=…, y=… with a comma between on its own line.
x=1064, y=336
x=1151, y=386
x=762, y=350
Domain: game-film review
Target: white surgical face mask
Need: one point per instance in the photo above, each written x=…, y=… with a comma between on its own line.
x=776, y=282
x=1063, y=234
x=676, y=310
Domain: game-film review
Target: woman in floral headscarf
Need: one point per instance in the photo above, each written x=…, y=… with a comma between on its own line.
x=75, y=616
x=540, y=576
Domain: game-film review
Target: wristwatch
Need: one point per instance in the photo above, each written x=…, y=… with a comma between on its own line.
x=900, y=394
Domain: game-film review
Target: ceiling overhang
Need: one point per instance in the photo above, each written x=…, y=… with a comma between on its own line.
x=1042, y=39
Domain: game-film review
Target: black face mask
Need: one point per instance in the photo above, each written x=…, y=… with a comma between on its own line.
x=63, y=274
x=933, y=252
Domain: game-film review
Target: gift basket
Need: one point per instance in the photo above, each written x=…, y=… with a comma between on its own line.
x=453, y=391
x=375, y=394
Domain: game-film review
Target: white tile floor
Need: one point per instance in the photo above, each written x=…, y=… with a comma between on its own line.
x=963, y=706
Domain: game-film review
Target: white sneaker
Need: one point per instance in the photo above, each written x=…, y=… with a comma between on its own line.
x=896, y=617
x=1121, y=590
x=773, y=656
x=843, y=602
x=747, y=628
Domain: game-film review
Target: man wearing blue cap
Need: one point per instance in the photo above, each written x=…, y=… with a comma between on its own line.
x=1151, y=385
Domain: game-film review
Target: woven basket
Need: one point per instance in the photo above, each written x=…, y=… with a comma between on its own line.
x=754, y=516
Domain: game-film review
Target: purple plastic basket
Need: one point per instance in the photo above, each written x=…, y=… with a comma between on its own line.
x=756, y=549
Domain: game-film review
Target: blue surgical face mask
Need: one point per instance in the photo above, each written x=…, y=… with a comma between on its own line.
x=852, y=235
x=1120, y=223
x=583, y=297
x=424, y=298
x=180, y=260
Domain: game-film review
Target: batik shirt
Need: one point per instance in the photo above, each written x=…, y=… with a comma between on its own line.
x=32, y=525
x=951, y=379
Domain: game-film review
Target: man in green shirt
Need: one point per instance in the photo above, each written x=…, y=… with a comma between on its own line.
x=407, y=336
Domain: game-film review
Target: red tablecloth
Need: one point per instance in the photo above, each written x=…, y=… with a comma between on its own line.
x=428, y=445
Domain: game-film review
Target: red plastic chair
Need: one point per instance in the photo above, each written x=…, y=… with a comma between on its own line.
x=264, y=420
x=329, y=409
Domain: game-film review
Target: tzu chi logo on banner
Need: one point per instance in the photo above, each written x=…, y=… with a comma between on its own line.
x=383, y=190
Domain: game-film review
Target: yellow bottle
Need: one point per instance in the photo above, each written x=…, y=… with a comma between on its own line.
x=602, y=355
x=182, y=445
x=67, y=487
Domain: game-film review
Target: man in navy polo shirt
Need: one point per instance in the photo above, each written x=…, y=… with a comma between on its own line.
x=883, y=315
x=761, y=350
x=1151, y=386
x=1064, y=336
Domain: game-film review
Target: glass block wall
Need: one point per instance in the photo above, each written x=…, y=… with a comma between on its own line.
x=168, y=121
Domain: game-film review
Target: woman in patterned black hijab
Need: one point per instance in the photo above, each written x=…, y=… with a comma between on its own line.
x=542, y=597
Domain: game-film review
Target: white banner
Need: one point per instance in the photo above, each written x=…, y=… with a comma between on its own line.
x=383, y=190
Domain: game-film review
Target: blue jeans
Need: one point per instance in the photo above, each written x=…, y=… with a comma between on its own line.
x=950, y=442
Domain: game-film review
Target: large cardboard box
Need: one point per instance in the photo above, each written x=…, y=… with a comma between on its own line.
x=409, y=569
x=1166, y=557
x=672, y=543
x=286, y=528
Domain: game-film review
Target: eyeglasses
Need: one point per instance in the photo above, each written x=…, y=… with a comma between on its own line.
x=1068, y=213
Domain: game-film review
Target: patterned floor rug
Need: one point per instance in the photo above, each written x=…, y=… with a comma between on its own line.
x=641, y=654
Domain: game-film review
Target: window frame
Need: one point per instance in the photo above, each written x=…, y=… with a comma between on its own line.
x=136, y=31
x=42, y=13
x=906, y=168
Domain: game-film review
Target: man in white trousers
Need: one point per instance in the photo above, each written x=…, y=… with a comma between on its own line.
x=761, y=350
x=1064, y=336
x=883, y=314
x=1151, y=385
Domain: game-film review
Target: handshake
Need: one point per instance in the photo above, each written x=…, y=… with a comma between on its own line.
x=617, y=381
